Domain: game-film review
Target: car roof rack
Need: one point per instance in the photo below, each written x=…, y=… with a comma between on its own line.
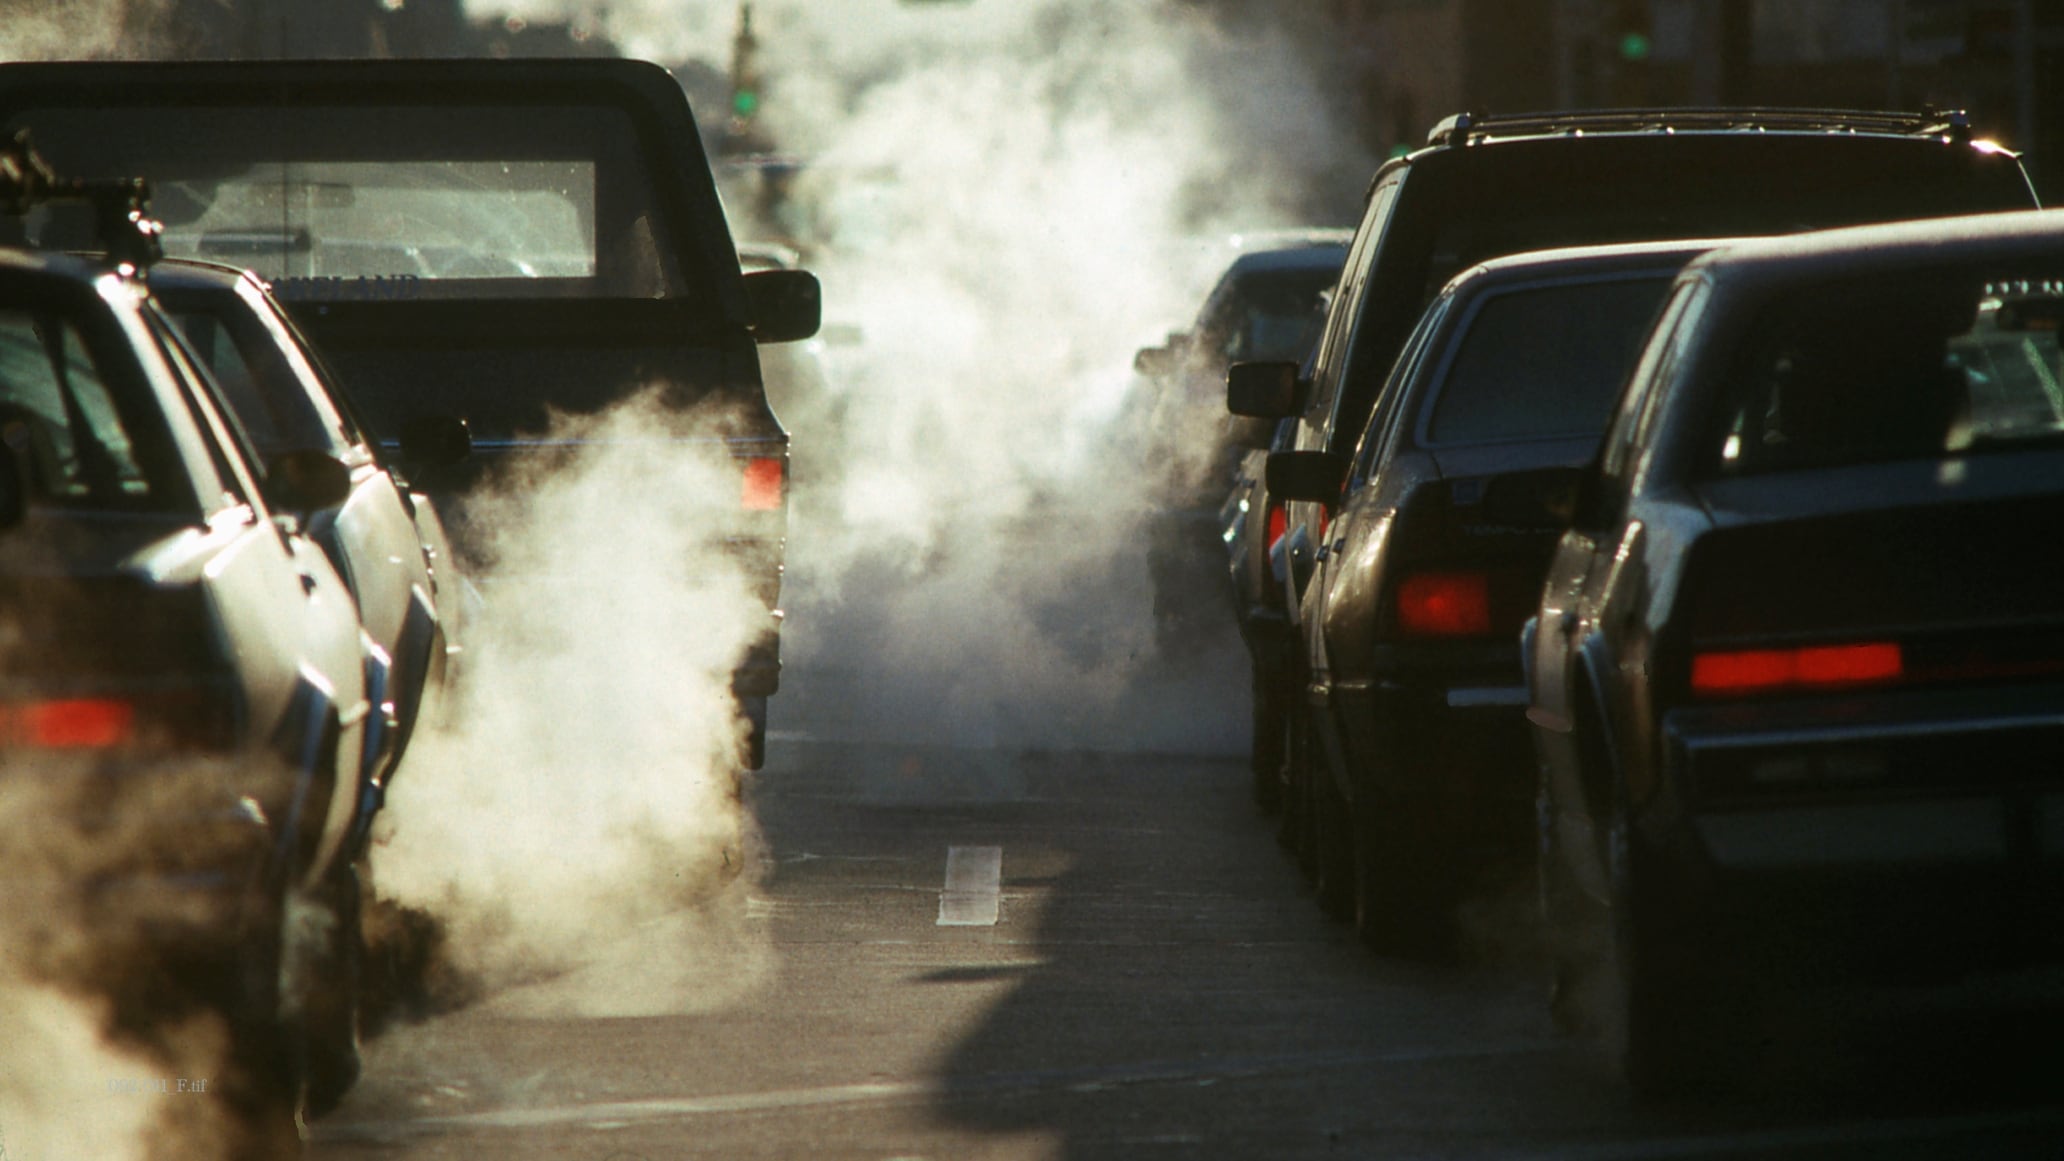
x=120, y=206
x=1463, y=128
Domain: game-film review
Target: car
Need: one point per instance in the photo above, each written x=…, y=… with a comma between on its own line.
x=1251, y=523
x=386, y=541
x=175, y=639
x=1490, y=185
x=496, y=241
x=1266, y=305
x=1796, y=675
x=1415, y=748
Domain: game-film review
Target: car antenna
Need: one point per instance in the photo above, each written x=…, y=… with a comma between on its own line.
x=121, y=206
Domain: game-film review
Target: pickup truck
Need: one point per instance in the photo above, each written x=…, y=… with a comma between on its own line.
x=495, y=241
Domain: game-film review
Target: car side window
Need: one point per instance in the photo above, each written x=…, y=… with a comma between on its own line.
x=1640, y=403
x=1382, y=426
x=225, y=442
x=53, y=398
x=1338, y=336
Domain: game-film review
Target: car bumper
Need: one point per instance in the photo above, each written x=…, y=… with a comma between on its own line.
x=1453, y=742
x=1910, y=829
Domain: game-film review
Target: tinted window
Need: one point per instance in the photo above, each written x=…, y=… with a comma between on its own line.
x=257, y=382
x=1543, y=361
x=386, y=203
x=58, y=412
x=1886, y=368
x=1268, y=315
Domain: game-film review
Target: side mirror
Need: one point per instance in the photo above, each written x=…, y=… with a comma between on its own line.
x=786, y=305
x=1314, y=476
x=435, y=441
x=306, y=481
x=1264, y=390
x=1543, y=498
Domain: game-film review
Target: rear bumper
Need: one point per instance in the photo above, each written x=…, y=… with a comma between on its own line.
x=1452, y=743
x=1872, y=836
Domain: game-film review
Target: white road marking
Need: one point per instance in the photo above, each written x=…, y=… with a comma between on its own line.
x=974, y=880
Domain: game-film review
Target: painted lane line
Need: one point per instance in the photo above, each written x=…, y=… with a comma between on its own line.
x=974, y=881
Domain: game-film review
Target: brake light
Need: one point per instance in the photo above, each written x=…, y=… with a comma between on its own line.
x=763, y=481
x=71, y=724
x=1444, y=604
x=1819, y=666
x=1278, y=524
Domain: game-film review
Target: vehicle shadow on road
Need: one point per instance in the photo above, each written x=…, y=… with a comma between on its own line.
x=1186, y=999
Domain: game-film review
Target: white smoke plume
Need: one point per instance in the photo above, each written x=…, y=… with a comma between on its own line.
x=1006, y=198
x=118, y=929
x=585, y=792
x=57, y=29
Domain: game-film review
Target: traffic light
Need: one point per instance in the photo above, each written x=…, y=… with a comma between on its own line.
x=1630, y=38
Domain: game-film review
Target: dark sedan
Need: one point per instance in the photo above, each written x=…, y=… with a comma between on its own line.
x=1797, y=676
x=1410, y=739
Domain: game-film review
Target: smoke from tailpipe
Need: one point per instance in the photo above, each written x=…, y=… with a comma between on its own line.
x=1004, y=200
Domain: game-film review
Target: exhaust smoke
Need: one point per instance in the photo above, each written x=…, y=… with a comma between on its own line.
x=584, y=791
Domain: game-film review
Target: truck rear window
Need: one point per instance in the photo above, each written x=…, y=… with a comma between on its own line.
x=379, y=203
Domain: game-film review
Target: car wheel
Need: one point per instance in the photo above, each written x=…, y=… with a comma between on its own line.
x=330, y=1013
x=1292, y=822
x=1267, y=753
x=1654, y=1019
x=1333, y=843
x=1400, y=902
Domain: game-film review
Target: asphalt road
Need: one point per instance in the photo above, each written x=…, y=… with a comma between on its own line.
x=967, y=953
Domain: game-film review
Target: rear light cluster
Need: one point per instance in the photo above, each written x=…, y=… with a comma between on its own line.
x=1741, y=672
x=1444, y=604
x=761, y=490
x=68, y=724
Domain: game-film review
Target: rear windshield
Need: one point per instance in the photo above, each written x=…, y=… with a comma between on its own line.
x=1269, y=315
x=1918, y=366
x=83, y=439
x=386, y=202
x=1540, y=362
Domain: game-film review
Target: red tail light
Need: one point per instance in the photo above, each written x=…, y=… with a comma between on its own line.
x=1278, y=524
x=763, y=481
x=1820, y=666
x=1444, y=604
x=74, y=724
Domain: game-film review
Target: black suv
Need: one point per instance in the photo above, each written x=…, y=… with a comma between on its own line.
x=1489, y=186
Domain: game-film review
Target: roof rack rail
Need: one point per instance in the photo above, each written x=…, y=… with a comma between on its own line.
x=121, y=206
x=1460, y=129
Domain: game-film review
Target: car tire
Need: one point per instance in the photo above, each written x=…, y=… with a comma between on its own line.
x=1400, y=901
x=1292, y=822
x=330, y=1025
x=1266, y=758
x=1333, y=843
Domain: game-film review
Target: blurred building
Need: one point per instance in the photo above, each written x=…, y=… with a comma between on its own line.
x=1416, y=61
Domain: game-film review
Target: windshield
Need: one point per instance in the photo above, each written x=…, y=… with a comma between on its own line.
x=1542, y=361
x=385, y=203
x=1919, y=366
